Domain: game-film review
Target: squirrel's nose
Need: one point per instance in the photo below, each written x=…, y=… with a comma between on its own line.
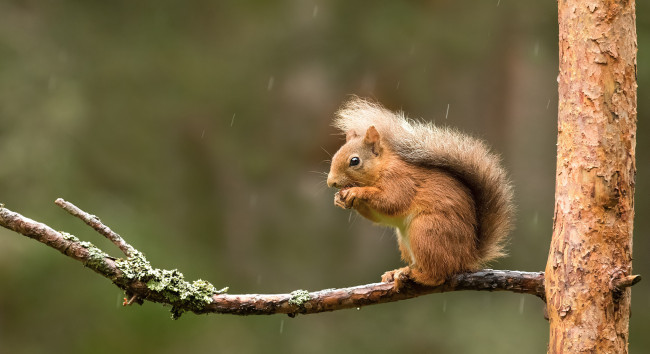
x=330, y=182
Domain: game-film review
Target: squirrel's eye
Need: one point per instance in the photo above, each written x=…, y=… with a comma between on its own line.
x=354, y=161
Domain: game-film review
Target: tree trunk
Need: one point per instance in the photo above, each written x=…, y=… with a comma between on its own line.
x=594, y=195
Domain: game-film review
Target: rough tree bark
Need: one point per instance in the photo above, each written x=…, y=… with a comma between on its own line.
x=591, y=249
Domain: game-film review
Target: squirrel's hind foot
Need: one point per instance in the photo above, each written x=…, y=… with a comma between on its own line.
x=400, y=277
x=405, y=275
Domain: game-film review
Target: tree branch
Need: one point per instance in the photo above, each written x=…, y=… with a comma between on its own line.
x=336, y=299
x=94, y=222
x=142, y=282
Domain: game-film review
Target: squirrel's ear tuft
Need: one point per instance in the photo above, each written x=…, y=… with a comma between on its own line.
x=372, y=139
x=351, y=134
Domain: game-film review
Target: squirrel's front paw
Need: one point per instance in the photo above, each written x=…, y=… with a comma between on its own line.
x=345, y=198
x=338, y=201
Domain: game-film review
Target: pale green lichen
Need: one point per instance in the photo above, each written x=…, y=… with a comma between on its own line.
x=299, y=297
x=69, y=237
x=171, y=284
x=136, y=267
x=96, y=257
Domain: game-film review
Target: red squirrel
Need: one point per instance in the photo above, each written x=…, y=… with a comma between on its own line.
x=445, y=194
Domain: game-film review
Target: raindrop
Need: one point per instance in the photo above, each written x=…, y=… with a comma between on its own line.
x=232, y=121
x=498, y=2
x=447, y=113
x=269, y=86
x=315, y=12
x=548, y=103
x=397, y=88
x=536, y=50
x=281, y=326
x=521, y=305
x=202, y=133
x=444, y=305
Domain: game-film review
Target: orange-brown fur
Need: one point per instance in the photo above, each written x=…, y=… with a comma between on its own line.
x=434, y=211
x=442, y=225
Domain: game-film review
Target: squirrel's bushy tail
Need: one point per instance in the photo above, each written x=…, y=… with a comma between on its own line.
x=466, y=158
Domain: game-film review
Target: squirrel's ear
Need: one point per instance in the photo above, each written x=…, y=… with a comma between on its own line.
x=372, y=139
x=351, y=134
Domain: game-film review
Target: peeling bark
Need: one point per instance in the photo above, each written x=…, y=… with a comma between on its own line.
x=591, y=247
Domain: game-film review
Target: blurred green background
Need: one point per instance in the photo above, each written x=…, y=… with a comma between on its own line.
x=198, y=130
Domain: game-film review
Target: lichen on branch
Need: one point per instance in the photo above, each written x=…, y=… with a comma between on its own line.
x=170, y=284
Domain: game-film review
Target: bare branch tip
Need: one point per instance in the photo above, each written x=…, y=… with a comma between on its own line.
x=94, y=222
x=61, y=203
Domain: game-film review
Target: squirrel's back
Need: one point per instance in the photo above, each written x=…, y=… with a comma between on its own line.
x=464, y=157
